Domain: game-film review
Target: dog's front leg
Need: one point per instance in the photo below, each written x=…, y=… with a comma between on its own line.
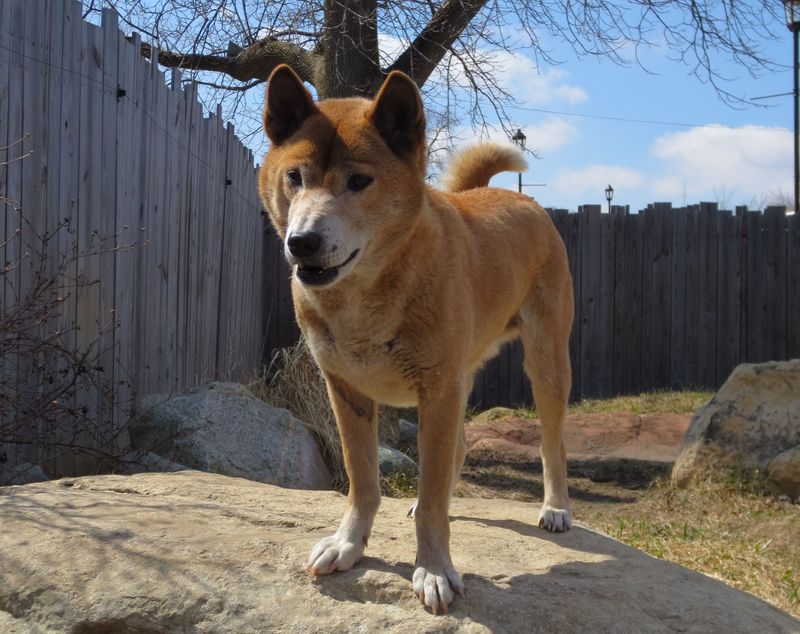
x=441, y=413
x=357, y=419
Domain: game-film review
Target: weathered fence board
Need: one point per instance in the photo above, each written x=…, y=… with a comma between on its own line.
x=793, y=287
x=776, y=284
x=153, y=204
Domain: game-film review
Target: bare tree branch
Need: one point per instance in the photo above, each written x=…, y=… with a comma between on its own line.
x=424, y=54
x=255, y=62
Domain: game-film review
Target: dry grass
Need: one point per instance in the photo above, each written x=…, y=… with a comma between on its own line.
x=731, y=529
x=684, y=402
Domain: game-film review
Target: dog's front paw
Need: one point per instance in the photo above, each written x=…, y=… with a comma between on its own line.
x=333, y=553
x=436, y=587
x=555, y=520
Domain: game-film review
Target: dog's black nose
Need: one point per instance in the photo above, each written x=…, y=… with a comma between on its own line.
x=304, y=245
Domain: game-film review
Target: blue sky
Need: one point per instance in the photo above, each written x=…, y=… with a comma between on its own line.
x=733, y=155
x=737, y=155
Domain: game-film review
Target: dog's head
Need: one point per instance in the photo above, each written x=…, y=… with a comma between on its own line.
x=343, y=181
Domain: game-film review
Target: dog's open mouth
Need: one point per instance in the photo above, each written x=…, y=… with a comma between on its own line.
x=317, y=276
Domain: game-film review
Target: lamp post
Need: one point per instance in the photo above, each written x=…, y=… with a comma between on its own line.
x=792, y=8
x=519, y=139
x=609, y=196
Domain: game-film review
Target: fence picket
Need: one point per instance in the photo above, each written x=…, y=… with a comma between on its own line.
x=776, y=283
x=793, y=287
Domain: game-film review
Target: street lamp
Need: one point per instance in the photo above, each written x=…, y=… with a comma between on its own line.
x=519, y=139
x=792, y=8
x=609, y=196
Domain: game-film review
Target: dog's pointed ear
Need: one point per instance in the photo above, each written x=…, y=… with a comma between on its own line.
x=398, y=114
x=288, y=104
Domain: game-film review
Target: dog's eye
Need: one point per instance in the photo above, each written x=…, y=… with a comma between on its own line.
x=295, y=177
x=357, y=182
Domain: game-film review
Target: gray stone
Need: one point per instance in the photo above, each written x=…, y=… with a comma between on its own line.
x=754, y=417
x=24, y=473
x=146, y=462
x=196, y=552
x=223, y=428
x=784, y=471
x=394, y=462
x=407, y=432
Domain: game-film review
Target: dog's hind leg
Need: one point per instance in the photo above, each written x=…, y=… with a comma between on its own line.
x=546, y=322
x=357, y=419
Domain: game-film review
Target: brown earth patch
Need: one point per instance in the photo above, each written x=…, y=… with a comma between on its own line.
x=596, y=436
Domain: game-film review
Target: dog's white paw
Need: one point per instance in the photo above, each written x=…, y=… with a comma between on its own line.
x=333, y=553
x=436, y=588
x=555, y=520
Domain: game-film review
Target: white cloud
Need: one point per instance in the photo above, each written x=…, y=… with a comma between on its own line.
x=593, y=179
x=748, y=162
x=522, y=78
x=516, y=73
x=551, y=134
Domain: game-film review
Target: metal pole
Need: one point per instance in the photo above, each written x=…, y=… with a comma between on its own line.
x=795, y=30
x=520, y=174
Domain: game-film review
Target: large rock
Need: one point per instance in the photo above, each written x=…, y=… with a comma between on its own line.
x=784, y=471
x=24, y=473
x=753, y=418
x=392, y=462
x=223, y=428
x=195, y=552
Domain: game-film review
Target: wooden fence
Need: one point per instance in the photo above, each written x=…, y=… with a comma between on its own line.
x=158, y=201
x=666, y=298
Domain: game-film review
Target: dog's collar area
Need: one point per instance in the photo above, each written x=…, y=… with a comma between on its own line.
x=317, y=276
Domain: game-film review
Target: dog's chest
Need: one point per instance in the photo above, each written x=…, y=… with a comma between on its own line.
x=364, y=356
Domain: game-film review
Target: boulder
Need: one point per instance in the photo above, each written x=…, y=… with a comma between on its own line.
x=23, y=473
x=146, y=462
x=222, y=428
x=394, y=462
x=407, y=432
x=753, y=418
x=197, y=552
x=784, y=471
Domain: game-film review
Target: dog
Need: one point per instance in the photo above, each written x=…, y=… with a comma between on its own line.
x=403, y=292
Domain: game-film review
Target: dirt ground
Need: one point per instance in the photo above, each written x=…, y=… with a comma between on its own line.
x=613, y=487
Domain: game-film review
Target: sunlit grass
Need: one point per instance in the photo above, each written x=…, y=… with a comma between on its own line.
x=684, y=402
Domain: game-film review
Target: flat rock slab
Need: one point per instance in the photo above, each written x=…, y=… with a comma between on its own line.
x=597, y=436
x=195, y=552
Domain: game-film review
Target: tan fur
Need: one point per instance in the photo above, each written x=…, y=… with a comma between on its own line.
x=475, y=166
x=436, y=283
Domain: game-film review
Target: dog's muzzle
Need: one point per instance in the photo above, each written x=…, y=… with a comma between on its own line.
x=319, y=276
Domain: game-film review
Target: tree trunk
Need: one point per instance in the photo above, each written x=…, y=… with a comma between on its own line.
x=350, y=66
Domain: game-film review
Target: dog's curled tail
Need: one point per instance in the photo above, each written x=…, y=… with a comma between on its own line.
x=475, y=166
